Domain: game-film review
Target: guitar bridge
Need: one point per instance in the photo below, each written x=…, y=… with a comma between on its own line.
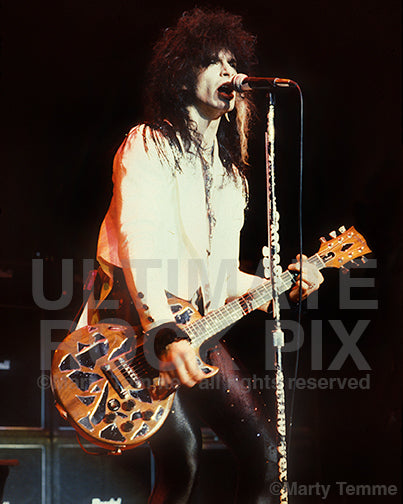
x=130, y=375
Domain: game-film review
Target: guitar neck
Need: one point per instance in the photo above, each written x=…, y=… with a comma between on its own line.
x=217, y=320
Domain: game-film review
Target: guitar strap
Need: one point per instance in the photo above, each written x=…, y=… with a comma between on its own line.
x=87, y=314
x=100, y=284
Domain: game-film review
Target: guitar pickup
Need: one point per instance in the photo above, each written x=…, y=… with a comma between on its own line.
x=114, y=381
x=184, y=317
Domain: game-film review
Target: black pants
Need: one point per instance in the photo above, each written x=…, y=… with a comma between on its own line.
x=231, y=406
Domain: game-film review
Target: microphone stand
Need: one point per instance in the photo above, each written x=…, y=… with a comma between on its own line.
x=273, y=270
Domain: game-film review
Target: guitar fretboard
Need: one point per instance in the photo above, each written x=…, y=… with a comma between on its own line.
x=217, y=320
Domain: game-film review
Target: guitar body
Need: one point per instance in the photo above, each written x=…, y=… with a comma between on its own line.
x=105, y=387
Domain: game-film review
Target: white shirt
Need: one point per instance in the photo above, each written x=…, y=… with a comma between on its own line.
x=157, y=229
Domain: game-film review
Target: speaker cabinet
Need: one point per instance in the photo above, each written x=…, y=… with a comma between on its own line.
x=22, y=391
x=80, y=478
x=28, y=482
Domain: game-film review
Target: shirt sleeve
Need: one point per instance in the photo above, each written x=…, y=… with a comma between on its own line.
x=143, y=189
x=239, y=282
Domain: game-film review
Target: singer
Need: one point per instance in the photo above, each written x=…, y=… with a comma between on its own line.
x=173, y=226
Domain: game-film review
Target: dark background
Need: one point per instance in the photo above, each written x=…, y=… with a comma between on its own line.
x=71, y=86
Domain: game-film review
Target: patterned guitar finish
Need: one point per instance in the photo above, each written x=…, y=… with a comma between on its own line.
x=105, y=387
x=104, y=384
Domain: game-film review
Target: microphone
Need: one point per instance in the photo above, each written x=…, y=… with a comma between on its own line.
x=242, y=82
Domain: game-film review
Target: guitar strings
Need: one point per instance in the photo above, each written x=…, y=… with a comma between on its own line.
x=205, y=327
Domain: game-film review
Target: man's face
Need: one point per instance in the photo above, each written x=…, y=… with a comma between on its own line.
x=212, y=97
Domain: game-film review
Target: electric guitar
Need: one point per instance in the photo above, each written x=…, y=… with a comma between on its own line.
x=102, y=375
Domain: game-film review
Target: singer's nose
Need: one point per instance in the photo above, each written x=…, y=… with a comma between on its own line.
x=227, y=69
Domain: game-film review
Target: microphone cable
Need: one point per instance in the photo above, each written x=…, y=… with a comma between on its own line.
x=300, y=240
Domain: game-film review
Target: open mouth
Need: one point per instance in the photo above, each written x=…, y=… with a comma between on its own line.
x=226, y=91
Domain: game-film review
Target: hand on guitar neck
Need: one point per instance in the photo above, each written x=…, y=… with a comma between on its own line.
x=311, y=279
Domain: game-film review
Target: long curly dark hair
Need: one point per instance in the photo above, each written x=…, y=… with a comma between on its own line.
x=177, y=58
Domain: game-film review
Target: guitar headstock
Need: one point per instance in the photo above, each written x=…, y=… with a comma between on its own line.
x=345, y=247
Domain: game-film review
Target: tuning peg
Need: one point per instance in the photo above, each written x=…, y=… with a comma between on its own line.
x=364, y=260
x=322, y=239
x=344, y=270
x=342, y=229
x=333, y=234
x=354, y=262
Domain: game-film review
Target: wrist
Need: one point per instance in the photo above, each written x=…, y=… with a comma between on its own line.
x=165, y=334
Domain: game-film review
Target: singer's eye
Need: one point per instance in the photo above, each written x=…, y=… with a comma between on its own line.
x=233, y=63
